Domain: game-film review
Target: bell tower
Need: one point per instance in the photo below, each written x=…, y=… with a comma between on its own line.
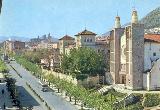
x=134, y=53
x=115, y=36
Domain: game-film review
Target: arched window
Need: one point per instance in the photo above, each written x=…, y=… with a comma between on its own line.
x=87, y=39
x=90, y=40
x=84, y=39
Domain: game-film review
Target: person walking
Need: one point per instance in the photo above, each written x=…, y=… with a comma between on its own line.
x=2, y=91
x=4, y=106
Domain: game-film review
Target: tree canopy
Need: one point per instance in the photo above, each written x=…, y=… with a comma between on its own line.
x=3, y=67
x=83, y=62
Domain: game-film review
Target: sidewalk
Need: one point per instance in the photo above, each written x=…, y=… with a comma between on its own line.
x=4, y=98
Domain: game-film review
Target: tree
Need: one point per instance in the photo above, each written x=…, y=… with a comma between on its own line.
x=3, y=67
x=83, y=62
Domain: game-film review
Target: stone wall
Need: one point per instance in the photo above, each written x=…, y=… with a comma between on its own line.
x=92, y=81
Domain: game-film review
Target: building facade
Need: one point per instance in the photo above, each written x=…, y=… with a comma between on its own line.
x=86, y=39
x=64, y=42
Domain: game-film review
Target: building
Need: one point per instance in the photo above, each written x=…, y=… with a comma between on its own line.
x=127, y=53
x=151, y=74
x=69, y=47
x=10, y=46
x=64, y=42
x=151, y=50
x=86, y=39
x=18, y=45
x=44, y=38
x=43, y=45
x=52, y=45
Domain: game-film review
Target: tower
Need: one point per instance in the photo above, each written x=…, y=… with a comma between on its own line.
x=134, y=17
x=117, y=22
x=115, y=36
x=134, y=53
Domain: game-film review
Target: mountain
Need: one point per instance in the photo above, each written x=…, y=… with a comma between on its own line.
x=152, y=19
x=3, y=38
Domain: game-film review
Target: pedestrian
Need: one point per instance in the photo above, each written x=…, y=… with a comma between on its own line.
x=4, y=106
x=2, y=91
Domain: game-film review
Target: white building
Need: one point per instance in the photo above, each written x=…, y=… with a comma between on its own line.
x=151, y=76
x=151, y=50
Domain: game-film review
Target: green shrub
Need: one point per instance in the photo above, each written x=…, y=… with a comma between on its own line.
x=137, y=106
x=151, y=100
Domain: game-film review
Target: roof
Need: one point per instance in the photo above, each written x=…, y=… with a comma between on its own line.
x=152, y=37
x=66, y=37
x=85, y=32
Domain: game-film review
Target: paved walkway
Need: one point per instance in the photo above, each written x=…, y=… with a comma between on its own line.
x=4, y=98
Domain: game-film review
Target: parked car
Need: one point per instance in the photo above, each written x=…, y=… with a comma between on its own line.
x=44, y=86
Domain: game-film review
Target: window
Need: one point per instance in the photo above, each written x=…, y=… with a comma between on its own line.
x=154, y=54
x=87, y=39
x=84, y=39
x=90, y=40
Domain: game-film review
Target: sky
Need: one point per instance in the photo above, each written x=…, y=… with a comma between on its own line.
x=32, y=18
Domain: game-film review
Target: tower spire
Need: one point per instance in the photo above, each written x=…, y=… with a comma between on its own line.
x=117, y=21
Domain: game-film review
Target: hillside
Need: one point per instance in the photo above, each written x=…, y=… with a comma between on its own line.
x=152, y=19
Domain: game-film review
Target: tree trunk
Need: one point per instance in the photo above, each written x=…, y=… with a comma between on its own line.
x=75, y=101
x=58, y=90
x=70, y=98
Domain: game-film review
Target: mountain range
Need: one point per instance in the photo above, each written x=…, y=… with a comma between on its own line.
x=20, y=38
x=150, y=21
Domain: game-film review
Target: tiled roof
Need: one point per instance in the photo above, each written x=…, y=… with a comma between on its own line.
x=152, y=37
x=66, y=37
x=85, y=32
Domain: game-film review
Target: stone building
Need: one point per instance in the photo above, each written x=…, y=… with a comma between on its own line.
x=127, y=53
x=64, y=42
x=10, y=46
x=18, y=45
x=86, y=39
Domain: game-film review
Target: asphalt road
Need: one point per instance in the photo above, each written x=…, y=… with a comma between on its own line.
x=26, y=97
x=54, y=101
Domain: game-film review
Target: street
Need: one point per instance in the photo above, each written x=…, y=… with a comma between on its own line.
x=54, y=101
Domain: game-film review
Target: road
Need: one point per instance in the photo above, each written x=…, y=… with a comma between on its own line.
x=54, y=101
x=26, y=97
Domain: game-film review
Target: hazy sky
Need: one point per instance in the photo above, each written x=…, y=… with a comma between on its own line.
x=31, y=18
